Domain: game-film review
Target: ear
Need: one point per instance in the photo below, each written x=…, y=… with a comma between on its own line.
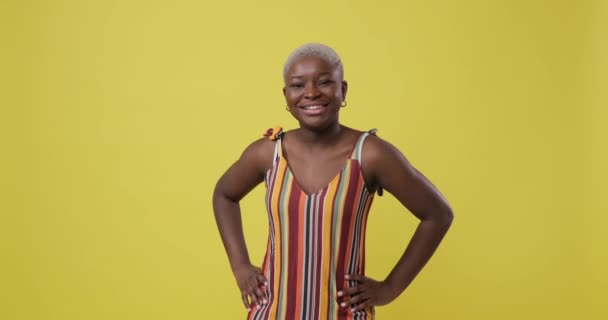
x=344, y=89
x=285, y=97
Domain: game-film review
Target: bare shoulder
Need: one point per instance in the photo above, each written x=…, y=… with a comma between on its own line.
x=377, y=151
x=259, y=154
x=248, y=171
x=382, y=161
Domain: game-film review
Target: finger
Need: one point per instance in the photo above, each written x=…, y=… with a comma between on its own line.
x=257, y=305
x=260, y=295
x=262, y=283
x=262, y=280
x=356, y=277
x=350, y=291
x=254, y=298
x=253, y=288
x=362, y=306
x=355, y=299
x=246, y=301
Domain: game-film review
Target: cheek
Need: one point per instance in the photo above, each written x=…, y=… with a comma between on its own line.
x=294, y=93
x=334, y=93
x=291, y=97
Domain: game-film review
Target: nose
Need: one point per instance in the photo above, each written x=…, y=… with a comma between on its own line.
x=311, y=91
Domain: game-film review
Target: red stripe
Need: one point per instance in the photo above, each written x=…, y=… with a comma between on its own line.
x=292, y=251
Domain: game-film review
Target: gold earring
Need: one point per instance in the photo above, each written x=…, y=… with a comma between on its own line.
x=343, y=104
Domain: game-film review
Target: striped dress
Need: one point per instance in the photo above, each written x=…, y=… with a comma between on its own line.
x=314, y=241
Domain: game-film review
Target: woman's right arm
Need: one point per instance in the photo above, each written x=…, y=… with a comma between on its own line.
x=244, y=175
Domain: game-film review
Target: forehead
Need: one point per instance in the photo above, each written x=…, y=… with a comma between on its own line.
x=309, y=66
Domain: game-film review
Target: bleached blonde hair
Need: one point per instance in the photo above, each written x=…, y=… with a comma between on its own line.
x=318, y=50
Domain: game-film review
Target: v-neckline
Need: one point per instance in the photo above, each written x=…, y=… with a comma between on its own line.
x=336, y=176
x=297, y=183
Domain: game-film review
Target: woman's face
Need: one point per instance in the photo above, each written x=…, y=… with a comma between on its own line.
x=314, y=92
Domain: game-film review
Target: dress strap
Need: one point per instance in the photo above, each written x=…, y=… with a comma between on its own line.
x=275, y=134
x=357, y=153
x=359, y=146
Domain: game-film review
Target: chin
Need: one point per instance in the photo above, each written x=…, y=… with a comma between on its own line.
x=317, y=125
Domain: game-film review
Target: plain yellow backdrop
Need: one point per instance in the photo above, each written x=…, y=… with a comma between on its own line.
x=118, y=117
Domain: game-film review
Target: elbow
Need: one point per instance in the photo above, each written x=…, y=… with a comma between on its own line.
x=449, y=216
x=446, y=217
x=443, y=216
x=220, y=194
x=217, y=193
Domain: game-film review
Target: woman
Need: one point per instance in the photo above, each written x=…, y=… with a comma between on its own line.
x=320, y=180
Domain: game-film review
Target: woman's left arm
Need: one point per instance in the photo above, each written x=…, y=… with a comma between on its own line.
x=386, y=167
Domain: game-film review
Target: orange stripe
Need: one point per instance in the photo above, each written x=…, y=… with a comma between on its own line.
x=278, y=236
x=284, y=252
x=326, y=240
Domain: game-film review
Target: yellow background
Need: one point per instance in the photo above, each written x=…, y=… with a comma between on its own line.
x=118, y=117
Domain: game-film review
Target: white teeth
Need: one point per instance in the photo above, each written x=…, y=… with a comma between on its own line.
x=313, y=107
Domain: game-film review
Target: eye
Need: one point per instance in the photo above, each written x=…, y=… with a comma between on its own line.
x=296, y=85
x=325, y=82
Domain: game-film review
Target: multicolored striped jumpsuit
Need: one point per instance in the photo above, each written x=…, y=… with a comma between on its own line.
x=314, y=241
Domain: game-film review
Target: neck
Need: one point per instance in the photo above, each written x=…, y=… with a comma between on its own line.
x=324, y=136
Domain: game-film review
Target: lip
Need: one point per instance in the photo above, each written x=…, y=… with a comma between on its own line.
x=313, y=109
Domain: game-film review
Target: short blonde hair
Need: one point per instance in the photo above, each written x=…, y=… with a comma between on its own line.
x=318, y=50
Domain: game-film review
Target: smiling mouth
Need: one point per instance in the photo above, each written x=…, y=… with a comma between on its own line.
x=314, y=107
x=313, y=110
